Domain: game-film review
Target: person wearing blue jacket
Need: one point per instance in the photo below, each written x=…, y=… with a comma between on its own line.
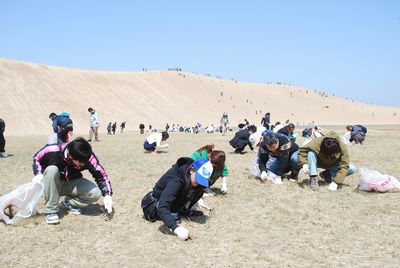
x=62, y=125
x=176, y=192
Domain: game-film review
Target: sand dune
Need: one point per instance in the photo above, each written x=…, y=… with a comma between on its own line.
x=29, y=92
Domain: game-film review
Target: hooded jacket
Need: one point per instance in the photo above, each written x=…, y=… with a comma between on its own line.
x=55, y=154
x=173, y=191
x=341, y=159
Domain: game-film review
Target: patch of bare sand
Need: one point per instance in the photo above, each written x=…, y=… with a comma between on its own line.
x=256, y=224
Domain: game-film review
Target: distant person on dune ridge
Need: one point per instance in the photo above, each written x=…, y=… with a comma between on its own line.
x=2, y=139
x=93, y=124
x=176, y=192
x=153, y=141
x=217, y=159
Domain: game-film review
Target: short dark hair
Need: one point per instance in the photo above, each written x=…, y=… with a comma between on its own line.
x=252, y=128
x=80, y=149
x=90, y=109
x=330, y=146
x=164, y=135
x=271, y=138
x=52, y=114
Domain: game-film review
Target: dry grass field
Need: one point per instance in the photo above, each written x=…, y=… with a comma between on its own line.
x=255, y=225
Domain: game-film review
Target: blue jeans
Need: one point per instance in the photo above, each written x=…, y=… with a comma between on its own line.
x=313, y=165
x=281, y=165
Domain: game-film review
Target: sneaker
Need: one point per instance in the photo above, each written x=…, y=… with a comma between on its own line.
x=314, y=183
x=52, y=218
x=70, y=208
x=326, y=176
x=208, y=192
x=3, y=154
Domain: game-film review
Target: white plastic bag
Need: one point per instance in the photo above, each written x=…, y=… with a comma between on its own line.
x=254, y=169
x=21, y=202
x=374, y=181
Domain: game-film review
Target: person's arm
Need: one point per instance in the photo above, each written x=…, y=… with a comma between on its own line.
x=100, y=176
x=44, y=156
x=55, y=125
x=262, y=160
x=168, y=196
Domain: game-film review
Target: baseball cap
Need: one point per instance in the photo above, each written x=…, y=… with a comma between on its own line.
x=203, y=170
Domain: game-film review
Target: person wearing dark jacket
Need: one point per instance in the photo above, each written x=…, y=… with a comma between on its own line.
x=358, y=133
x=2, y=140
x=59, y=166
x=176, y=192
x=277, y=157
x=242, y=139
x=266, y=120
x=62, y=125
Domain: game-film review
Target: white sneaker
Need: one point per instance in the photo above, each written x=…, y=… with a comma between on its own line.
x=3, y=154
x=52, y=218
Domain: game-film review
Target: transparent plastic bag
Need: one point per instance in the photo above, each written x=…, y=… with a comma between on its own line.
x=254, y=169
x=374, y=181
x=21, y=202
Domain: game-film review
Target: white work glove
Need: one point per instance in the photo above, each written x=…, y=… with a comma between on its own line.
x=182, y=233
x=263, y=176
x=224, y=187
x=108, y=203
x=305, y=168
x=163, y=146
x=38, y=178
x=333, y=186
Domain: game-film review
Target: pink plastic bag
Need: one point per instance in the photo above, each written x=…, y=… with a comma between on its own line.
x=374, y=181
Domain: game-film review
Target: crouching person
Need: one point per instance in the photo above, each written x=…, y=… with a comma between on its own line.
x=60, y=166
x=176, y=192
x=277, y=156
x=327, y=152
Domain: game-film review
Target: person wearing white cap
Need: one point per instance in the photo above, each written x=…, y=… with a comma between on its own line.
x=176, y=192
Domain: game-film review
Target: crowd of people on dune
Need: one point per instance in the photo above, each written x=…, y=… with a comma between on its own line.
x=178, y=193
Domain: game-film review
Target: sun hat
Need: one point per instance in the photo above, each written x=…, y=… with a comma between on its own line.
x=203, y=170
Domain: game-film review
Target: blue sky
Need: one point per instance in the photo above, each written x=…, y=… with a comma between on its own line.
x=347, y=48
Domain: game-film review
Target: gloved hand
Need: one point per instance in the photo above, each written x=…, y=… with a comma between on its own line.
x=108, y=203
x=38, y=178
x=305, y=168
x=333, y=186
x=182, y=233
x=224, y=187
x=264, y=175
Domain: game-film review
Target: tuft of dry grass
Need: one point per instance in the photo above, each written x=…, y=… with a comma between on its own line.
x=255, y=225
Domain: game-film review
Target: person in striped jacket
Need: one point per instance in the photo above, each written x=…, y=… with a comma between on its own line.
x=59, y=166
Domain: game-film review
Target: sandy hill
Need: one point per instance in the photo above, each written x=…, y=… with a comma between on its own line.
x=29, y=92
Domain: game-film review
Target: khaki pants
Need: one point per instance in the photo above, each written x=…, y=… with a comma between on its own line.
x=81, y=192
x=93, y=130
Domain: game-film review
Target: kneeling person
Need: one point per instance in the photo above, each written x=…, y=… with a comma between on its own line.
x=60, y=166
x=176, y=192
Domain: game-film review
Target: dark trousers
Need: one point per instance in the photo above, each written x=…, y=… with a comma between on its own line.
x=150, y=203
x=2, y=142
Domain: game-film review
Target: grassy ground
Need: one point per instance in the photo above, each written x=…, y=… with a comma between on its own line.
x=255, y=225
